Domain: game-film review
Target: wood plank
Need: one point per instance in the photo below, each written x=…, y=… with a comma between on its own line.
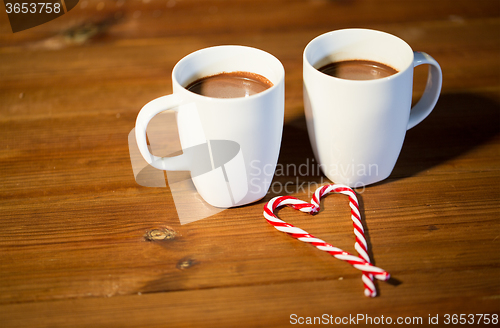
x=230, y=307
x=105, y=20
x=103, y=237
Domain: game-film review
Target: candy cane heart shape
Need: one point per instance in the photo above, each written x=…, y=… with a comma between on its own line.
x=361, y=262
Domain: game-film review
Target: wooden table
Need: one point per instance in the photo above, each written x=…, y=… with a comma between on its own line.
x=74, y=224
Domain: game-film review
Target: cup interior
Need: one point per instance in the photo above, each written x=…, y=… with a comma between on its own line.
x=219, y=59
x=359, y=44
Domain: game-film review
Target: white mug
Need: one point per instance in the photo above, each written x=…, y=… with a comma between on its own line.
x=357, y=128
x=230, y=145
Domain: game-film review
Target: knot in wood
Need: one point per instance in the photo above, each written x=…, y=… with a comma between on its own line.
x=160, y=234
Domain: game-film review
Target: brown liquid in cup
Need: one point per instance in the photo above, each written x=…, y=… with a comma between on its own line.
x=230, y=85
x=358, y=70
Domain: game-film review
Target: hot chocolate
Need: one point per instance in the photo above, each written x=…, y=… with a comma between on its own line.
x=230, y=85
x=358, y=70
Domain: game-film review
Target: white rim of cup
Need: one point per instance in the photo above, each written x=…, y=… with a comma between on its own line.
x=380, y=80
x=277, y=62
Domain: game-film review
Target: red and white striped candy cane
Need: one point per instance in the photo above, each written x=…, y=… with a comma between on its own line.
x=361, y=263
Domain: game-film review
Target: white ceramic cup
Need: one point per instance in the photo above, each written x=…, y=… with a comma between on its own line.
x=357, y=128
x=230, y=145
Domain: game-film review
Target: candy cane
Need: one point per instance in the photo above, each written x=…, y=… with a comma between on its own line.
x=361, y=263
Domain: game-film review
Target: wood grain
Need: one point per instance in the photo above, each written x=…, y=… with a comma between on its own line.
x=73, y=220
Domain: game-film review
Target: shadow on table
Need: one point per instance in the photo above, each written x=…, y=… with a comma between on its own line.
x=458, y=124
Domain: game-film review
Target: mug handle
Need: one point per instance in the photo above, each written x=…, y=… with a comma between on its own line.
x=432, y=90
x=169, y=102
